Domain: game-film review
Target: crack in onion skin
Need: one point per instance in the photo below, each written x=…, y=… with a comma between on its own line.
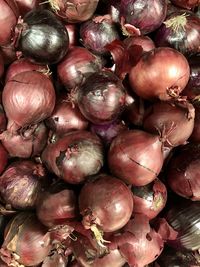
x=74, y=156
x=132, y=155
x=151, y=79
x=3, y=158
x=28, y=99
x=107, y=202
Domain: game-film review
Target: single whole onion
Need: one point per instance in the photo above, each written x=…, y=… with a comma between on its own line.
x=29, y=143
x=181, y=30
x=98, y=32
x=26, y=242
x=22, y=183
x=76, y=66
x=151, y=79
x=175, y=122
x=28, y=99
x=149, y=199
x=136, y=157
x=146, y=15
x=106, y=204
x=101, y=98
x=189, y=4
x=74, y=156
x=74, y=11
x=3, y=158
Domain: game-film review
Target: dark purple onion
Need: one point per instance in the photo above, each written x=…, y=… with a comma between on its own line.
x=98, y=32
x=22, y=183
x=72, y=30
x=26, y=5
x=3, y=158
x=189, y=4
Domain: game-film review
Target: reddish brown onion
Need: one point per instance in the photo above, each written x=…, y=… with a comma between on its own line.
x=26, y=144
x=28, y=99
x=74, y=156
x=136, y=157
x=189, y=4
x=3, y=158
x=26, y=241
x=22, y=183
x=152, y=79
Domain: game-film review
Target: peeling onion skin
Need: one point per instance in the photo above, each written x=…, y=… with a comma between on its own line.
x=98, y=207
x=132, y=155
x=151, y=79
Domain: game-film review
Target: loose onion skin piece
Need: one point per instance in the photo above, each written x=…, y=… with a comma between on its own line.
x=84, y=64
x=174, y=121
x=22, y=183
x=132, y=155
x=101, y=98
x=3, y=158
x=151, y=79
x=28, y=99
x=26, y=241
x=74, y=156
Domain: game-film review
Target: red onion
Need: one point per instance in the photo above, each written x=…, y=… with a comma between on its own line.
x=72, y=30
x=3, y=158
x=57, y=207
x=76, y=66
x=8, y=20
x=101, y=98
x=28, y=99
x=136, y=157
x=106, y=204
x=149, y=199
x=175, y=122
x=2, y=119
x=137, y=242
x=74, y=11
x=26, y=5
x=195, y=136
x=183, y=172
x=181, y=30
x=74, y=156
x=66, y=117
x=22, y=65
x=146, y=15
x=42, y=38
x=26, y=242
x=97, y=32
x=144, y=42
x=22, y=183
x=189, y=4
x=152, y=79
x=26, y=144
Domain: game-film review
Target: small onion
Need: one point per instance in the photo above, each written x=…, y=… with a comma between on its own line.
x=151, y=79
x=22, y=183
x=3, y=158
x=136, y=157
x=28, y=99
x=74, y=156
x=26, y=242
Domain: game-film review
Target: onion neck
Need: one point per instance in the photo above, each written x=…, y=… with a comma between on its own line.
x=54, y=5
x=177, y=23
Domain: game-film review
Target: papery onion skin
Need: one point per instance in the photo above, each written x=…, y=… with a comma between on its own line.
x=28, y=239
x=43, y=38
x=146, y=15
x=181, y=31
x=189, y=4
x=84, y=64
x=25, y=145
x=183, y=172
x=74, y=156
x=22, y=65
x=3, y=158
x=98, y=32
x=151, y=79
x=101, y=98
x=22, y=183
x=173, y=121
x=74, y=11
x=66, y=117
x=28, y=99
x=107, y=202
x=149, y=199
x=132, y=155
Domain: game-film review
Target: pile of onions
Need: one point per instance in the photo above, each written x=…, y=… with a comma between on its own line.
x=181, y=30
x=28, y=99
x=74, y=156
x=22, y=183
x=26, y=241
x=151, y=79
x=3, y=158
x=136, y=157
